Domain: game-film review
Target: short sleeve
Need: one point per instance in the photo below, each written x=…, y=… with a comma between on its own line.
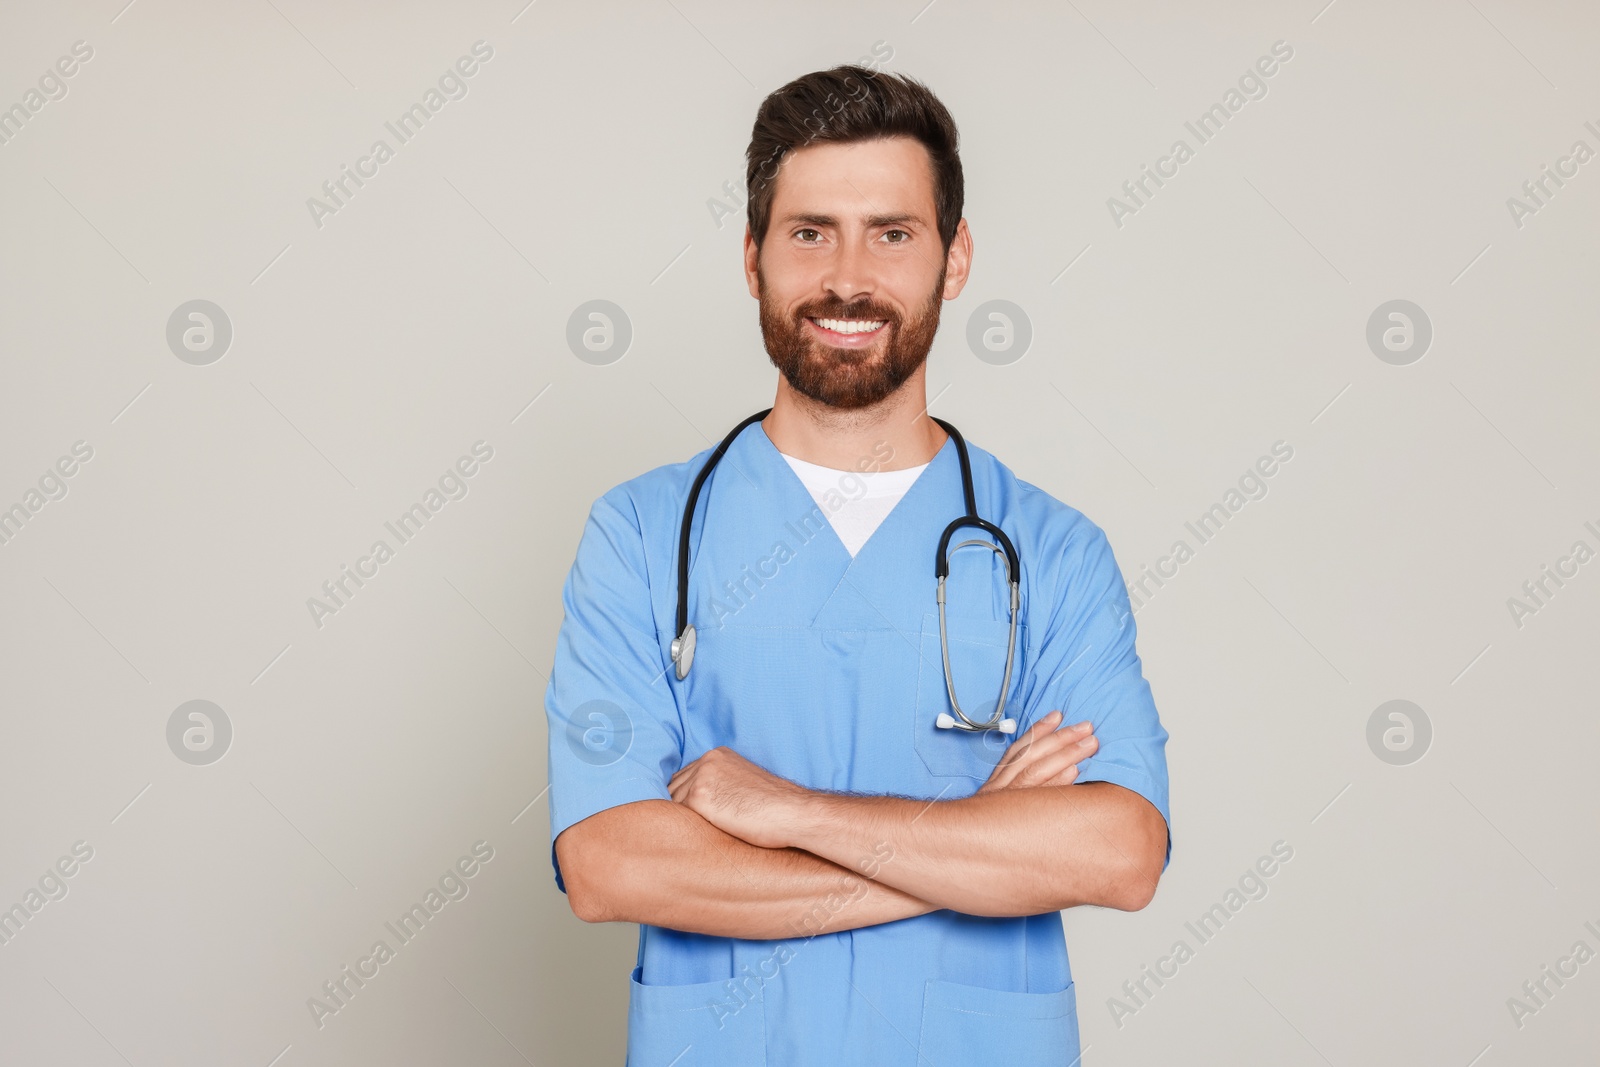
x=615, y=736
x=1087, y=666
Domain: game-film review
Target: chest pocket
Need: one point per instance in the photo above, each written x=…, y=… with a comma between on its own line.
x=977, y=665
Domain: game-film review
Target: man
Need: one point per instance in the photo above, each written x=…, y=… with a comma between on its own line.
x=821, y=873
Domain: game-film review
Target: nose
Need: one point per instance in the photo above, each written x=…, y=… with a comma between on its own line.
x=850, y=274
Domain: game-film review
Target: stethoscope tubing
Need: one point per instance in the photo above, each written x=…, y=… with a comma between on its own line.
x=683, y=644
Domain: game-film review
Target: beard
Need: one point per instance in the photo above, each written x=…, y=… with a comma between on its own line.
x=848, y=378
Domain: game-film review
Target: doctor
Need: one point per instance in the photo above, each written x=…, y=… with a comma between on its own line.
x=823, y=875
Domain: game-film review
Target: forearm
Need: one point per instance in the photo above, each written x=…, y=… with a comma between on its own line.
x=658, y=862
x=1003, y=853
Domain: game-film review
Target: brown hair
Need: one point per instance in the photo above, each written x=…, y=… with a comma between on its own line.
x=843, y=105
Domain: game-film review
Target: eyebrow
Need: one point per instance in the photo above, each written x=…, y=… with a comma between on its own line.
x=872, y=221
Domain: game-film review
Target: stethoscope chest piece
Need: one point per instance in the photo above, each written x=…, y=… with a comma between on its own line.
x=683, y=651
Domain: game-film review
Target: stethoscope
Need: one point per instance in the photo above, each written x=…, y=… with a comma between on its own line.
x=683, y=644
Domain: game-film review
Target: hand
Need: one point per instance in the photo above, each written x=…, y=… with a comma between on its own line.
x=736, y=796
x=1043, y=755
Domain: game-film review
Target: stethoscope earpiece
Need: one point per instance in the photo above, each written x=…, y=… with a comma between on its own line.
x=947, y=721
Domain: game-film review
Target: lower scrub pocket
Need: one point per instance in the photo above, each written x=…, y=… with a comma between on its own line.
x=964, y=1024
x=715, y=1022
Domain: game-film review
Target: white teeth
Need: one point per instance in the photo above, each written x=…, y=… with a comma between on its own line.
x=848, y=325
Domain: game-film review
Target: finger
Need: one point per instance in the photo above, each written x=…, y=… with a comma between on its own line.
x=1048, y=772
x=683, y=776
x=1050, y=755
x=1017, y=756
x=1048, y=767
x=1028, y=736
x=1049, y=730
x=1054, y=721
x=1041, y=740
x=1041, y=731
x=1046, y=722
x=1047, y=744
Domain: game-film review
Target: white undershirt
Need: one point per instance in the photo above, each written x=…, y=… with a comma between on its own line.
x=855, y=502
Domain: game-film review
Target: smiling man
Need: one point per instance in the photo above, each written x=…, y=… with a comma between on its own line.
x=847, y=817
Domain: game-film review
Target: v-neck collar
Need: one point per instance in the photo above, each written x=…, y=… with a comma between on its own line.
x=909, y=500
x=843, y=593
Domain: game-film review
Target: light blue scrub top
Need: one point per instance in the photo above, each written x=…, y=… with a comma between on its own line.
x=826, y=670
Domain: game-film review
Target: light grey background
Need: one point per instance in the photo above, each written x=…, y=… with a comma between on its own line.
x=430, y=312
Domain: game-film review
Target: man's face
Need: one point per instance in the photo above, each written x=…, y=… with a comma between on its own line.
x=851, y=274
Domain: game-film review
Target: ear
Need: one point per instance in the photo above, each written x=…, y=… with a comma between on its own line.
x=958, y=261
x=752, y=254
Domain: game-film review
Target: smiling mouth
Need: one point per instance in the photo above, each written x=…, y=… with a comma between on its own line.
x=848, y=333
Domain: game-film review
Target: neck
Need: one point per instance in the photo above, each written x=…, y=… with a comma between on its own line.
x=805, y=429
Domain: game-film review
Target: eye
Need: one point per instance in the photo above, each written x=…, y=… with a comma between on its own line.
x=902, y=233
x=801, y=233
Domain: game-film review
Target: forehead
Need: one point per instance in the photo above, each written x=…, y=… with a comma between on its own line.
x=885, y=175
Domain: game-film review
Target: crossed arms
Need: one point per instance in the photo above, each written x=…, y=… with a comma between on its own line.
x=741, y=852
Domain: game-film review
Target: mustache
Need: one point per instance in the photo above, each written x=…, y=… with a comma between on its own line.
x=871, y=312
